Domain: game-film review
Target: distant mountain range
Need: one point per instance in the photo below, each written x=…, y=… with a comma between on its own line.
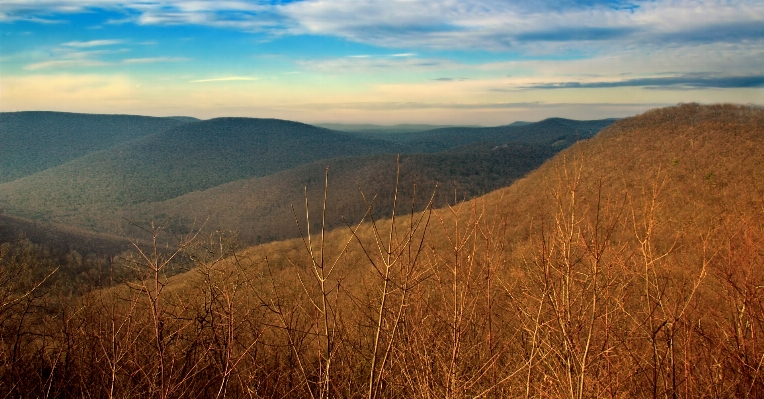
x=370, y=128
x=96, y=172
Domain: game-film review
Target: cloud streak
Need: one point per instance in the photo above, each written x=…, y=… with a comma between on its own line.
x=153, y=60
x=400, y=106
x=225, y=79
x=78, y=55
x=368, y=64
x=64, y=64
x=93, y=43
x=678, y=82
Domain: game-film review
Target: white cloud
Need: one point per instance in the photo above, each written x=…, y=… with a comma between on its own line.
x=152, y=60
x=525, y=25
x=74, y=63
x=368, y=64
x=93, y=43
x=76, y=55
x=498, y=25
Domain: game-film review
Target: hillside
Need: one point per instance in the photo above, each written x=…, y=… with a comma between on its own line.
x=34, y=141
x=165, y=165
x=259, y=209
x=61, y=238
x=102, y=190
x=629, y=265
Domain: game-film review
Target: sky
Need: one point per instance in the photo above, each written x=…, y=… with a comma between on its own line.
x=477, y=62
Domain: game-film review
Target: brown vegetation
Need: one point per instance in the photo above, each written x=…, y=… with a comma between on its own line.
x=630, y=265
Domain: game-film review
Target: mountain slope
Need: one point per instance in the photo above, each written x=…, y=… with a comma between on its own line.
x=643, y=246
x=260, y=208
x=187, y=158
x=61, y=238
x=700, y=164
x=34, y=141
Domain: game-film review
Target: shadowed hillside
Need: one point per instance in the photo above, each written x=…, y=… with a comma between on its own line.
x=34, y=141
x=187, y=158
x=90, y=191
x=61, y=238
x=260, y=208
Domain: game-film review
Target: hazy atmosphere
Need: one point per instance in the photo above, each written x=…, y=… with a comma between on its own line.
x=479, y=62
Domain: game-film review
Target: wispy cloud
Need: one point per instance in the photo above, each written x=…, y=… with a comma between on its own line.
x=527, y=25
x=677, y=82
x=93, y=43
x=153, y=60
x=225, y=79
x=497, y=25
x=72, y=55
x=73, y=63
x=370, y=64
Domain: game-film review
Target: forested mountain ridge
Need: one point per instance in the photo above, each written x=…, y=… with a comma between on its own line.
x=259, y=209
x=32, y=141
x=186, y=158
x=92, y=191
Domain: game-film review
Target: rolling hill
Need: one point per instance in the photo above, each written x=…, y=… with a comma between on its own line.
x=34, y=141
x=102, y=189
x=165, y=165
x=259, y=209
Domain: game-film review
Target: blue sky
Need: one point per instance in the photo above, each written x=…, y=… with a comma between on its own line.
x=485, y=62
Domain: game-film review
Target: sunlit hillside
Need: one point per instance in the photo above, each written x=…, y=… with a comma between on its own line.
x=627, y=265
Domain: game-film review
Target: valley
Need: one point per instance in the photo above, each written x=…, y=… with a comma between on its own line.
x=243, y=174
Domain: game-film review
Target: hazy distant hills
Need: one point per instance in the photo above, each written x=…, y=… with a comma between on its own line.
x=372, y=129
x=243, y=173
x=34, y=141
x=561, y=132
